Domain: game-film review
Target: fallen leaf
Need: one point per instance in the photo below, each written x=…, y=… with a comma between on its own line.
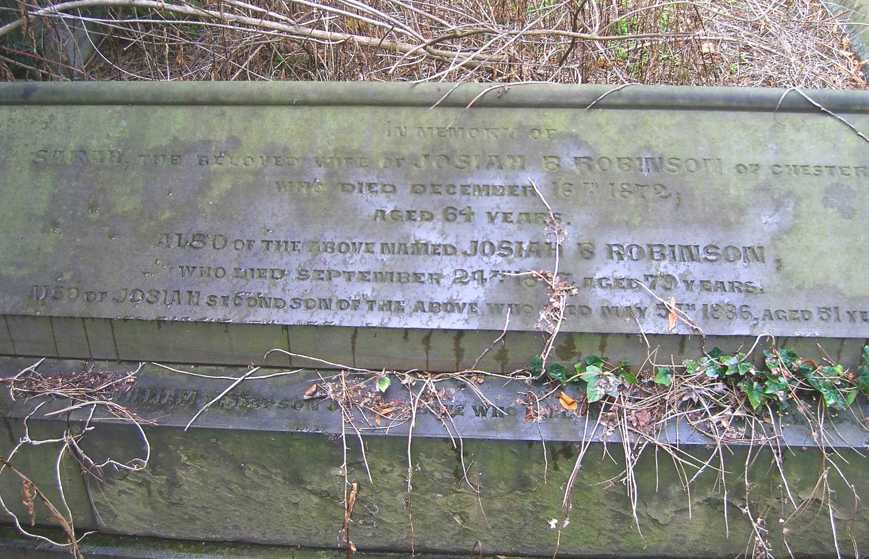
x=672, y=318
x=28, y=495
x=567, y=402
x=311, y=391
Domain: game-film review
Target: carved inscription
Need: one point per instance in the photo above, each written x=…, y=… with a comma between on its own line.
x=434, y=220
x=155, y=398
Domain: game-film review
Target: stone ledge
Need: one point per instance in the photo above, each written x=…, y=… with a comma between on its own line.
x=426, y=95
x=246, y=473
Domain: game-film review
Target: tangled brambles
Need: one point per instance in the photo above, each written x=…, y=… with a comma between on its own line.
x=800, y=43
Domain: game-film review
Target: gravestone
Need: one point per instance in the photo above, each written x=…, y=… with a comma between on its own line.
x=208, y=226
x=204, y=225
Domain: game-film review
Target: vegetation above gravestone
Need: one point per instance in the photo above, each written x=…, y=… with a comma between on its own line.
x=803, y=43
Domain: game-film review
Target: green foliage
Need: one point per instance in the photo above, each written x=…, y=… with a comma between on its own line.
x=592, y=377
x=663, y=376
x=785, y=367
x=383, y=383
x=863, y=373
x=627, y=375
x=555, y=371
x=535, y=367
x=781, y=379
x=600, y=378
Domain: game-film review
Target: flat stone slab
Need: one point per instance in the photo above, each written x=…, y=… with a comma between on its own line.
x=279, y=404
x=358, y=205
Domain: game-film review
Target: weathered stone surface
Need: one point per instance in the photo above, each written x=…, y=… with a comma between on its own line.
x=263, y=466
x=39, y=464
x=122, y=206
x=357, y=206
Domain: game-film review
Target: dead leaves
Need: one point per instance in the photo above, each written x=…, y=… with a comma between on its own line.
x=30, y=495
x=314, y=392
x=385, y=410
x=672, y=316
x=28, y=498
x=645, y=420
x=350, y=503
x=567, y=402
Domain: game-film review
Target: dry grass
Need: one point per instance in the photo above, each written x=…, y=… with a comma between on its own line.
x=779, y=43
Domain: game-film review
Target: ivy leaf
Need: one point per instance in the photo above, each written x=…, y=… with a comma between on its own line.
x=863, y=373
x=754, y=393
x=803, y=369
x=593, y=390
x=556, y=371
x=788, y=357
x=735, y=366
x=715, y=352
x=628, y=376
x=832, y=397
x=863, y=381
x=712, y=370
x=777, y=387
x=663, y=376
x=383, y=383
x=535, y=367
x=596, y=361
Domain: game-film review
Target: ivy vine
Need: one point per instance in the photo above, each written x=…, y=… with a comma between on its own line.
x=778, y=382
